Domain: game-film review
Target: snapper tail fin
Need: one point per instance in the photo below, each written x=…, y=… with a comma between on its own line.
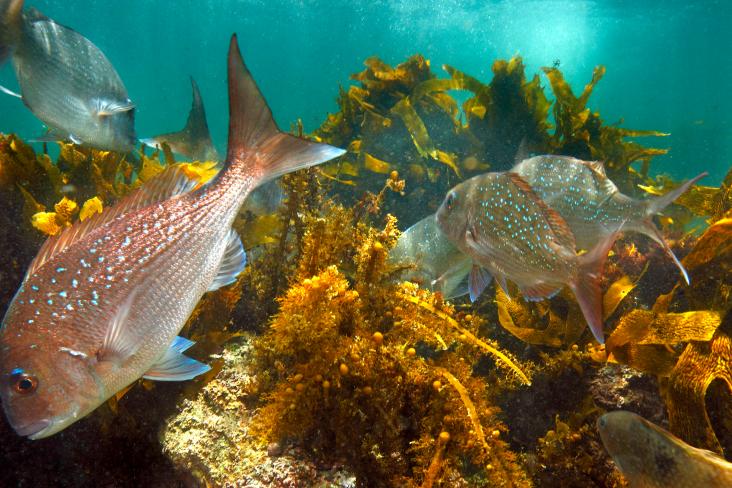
x=256, y=145
x=10, y=22
x=586, y=286
x=656, y=205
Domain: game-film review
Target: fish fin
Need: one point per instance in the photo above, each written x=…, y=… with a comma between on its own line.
x=194, y=140
x=655, y=205
x=559, y=226
x=478, y=281
x=232, y=263
x=541, y=291
x=586, y=285
x=522, y=152
x=119, y=341
x=10, y=26
x=596, y=166
x=649, y=228
x=10, y=92
x=174, y=366
x=252, y=130
x=171, y=182
x=102, y=107
x=455, y=281
x=501, y=280
x=151, y=142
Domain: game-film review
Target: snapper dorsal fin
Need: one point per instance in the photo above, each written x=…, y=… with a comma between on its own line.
x=556, y=222
x=171, y=182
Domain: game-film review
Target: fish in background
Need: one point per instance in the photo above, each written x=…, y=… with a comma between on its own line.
x=431, y=260
x=591, y=204
x=194, y=140
x=511, y=233
x=66, y=81
x=650, y=457
x=102, y=303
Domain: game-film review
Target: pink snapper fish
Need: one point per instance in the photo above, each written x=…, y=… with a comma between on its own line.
x=102, y=303
x=510, y=233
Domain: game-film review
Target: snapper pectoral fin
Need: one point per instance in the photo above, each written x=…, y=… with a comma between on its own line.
x=104, y=108
x=174, y=366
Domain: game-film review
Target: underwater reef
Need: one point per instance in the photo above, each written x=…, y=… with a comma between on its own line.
x=328, y=370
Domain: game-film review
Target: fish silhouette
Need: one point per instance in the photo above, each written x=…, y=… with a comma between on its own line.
x=510, y=233
x=194, y=140
x=650, y=457
x=66, y=81
x=591, y=204
x=102, y=303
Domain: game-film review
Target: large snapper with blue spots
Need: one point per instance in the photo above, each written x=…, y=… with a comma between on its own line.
x=592, y=205
x=510, y=233
x=103, y=302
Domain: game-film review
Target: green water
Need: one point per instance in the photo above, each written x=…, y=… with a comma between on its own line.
x=668, y=66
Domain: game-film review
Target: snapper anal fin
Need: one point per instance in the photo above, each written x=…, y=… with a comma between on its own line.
x=232, y=263
x=586, y=285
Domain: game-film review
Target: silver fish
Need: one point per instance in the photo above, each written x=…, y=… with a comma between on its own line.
x=102, y=303
x=510, y=233
x=591, y=203
x=194, y=140
x=432, y=261
x=66, y=81
x=650, y=457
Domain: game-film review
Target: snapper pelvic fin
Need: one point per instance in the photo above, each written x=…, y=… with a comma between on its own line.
x=174, y=366
x=232, y=263
x=255, y=143
x=478, y=281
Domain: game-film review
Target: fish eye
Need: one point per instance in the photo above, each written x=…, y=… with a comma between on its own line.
x=450, y=201
x=24, y=383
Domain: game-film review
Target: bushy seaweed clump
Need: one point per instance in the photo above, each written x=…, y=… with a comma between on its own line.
x=378, y=374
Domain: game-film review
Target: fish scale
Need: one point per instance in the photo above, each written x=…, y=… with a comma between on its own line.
x=133, y=275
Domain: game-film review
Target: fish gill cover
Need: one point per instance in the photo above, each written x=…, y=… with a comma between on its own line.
x=328, y=368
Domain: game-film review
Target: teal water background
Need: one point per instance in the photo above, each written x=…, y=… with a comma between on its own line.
x=669, y=66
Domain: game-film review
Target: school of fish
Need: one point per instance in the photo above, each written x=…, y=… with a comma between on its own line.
x=102, y=303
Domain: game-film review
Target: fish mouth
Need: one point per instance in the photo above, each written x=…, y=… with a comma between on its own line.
x=33, y=430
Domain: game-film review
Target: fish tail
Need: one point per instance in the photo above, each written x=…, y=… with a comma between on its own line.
x=586, y=286
x=256, y=146
x=657, y=204
x=10, y=21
